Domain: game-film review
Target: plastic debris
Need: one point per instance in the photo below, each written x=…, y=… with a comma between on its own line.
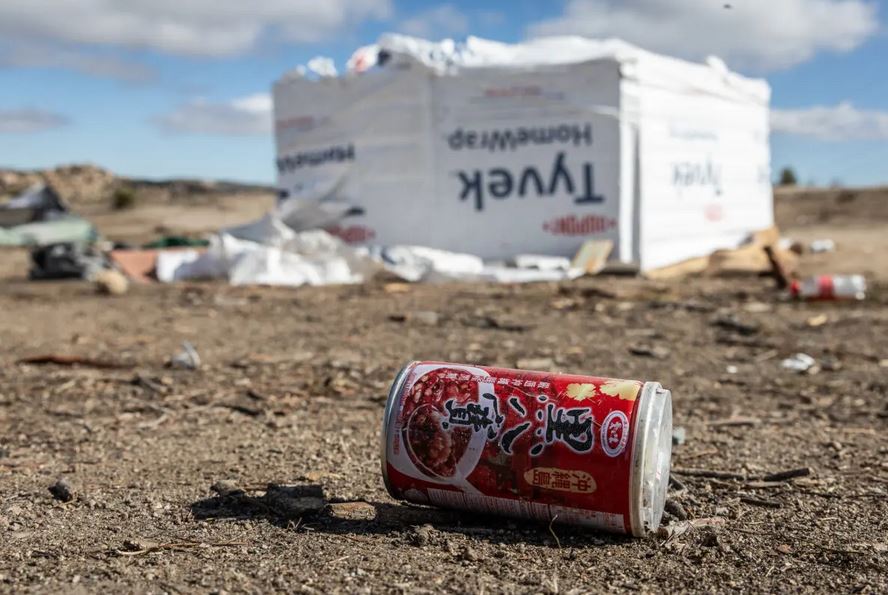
x=542, y=262
x=819, y=246
x=800, y=362
x=188, y=358
x=818, y=320
x=679, y=435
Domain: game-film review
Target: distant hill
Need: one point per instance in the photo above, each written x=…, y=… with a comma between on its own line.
x=85, y=185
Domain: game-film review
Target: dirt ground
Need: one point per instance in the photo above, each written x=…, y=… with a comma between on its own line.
x=291, y=391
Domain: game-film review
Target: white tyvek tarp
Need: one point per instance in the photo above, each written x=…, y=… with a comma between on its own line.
x=705, y=174
x=652, y=69
x=526, y=161
x=268, y=252
x=497, y=149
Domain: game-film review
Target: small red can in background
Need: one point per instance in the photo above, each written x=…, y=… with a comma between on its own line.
x=574, y=449
x=829, y=287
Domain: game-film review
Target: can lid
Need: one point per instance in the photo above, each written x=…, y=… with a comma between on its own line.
x=651, y=459
x=390, y=406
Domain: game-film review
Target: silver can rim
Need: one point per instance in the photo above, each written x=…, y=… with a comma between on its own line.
x=645, y=410
x=394, y=393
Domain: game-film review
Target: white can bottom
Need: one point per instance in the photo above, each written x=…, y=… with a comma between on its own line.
x=651, y=459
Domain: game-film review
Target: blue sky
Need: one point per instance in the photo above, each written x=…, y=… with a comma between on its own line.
x=162, y=88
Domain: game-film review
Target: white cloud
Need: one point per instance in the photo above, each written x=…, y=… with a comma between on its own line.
x=243, y=116
x=836, y=123
x=19, y=121
x=105, y=66
x=755, y=34
x=440, y=21
x=190, y=27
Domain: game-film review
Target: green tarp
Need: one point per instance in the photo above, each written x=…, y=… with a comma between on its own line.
x=42, y=233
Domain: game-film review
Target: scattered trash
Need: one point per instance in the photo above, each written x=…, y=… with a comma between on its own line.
x=791, y=245
x=176, y=242
x=65, y=230
x=188, y=358
x=428, y=415
x=592, y=256
x=732, y=369
x=139, y=265
x=830, y=287
x=65, y=261
x=679, y=436
x=758, y=255
x=818, y=320
x=541, y=262
x=61, y=490
x=417, y=263
x=110, y=282
x=396, y=287
x=819, y=246
x=38, y=203
x=800, y=362
x=72, y=360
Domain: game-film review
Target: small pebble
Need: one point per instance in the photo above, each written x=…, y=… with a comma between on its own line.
x=674, y=508
x=225, y=488
x=421, y=535
x=655, y=351
x=536, y=363
x=62, y=490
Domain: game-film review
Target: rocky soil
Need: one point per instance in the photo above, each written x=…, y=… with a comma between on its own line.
x=166, y=471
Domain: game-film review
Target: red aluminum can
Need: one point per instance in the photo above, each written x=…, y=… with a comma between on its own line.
x=574, y=449
x=829, y=287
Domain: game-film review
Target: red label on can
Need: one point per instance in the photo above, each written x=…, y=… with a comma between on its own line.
x=513, y=442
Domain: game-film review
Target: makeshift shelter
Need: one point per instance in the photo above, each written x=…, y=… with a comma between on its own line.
x=496, y=149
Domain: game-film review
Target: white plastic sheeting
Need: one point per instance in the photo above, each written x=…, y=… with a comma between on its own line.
x=496, y=150
x=268, y=252
x=282, y=257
